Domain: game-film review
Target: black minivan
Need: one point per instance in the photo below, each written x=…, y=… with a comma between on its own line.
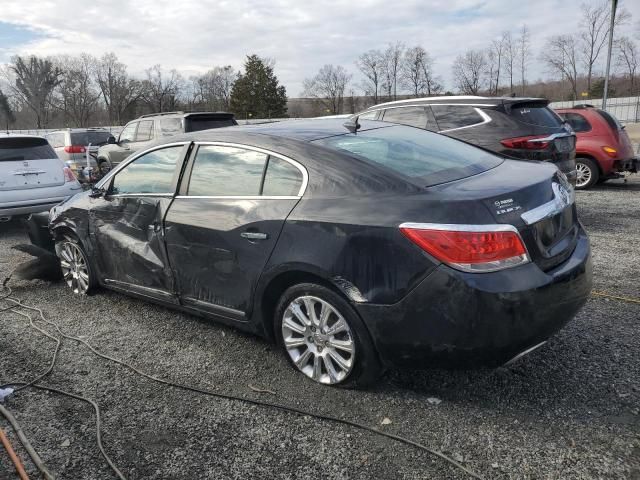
x=521, y=128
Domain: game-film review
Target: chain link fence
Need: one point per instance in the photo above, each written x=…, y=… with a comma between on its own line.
x=625, y=109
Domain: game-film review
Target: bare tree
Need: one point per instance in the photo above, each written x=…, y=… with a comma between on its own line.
x=77, y=95
x=627, y=58
x=371, y=64
x=213, y=88
x=160, y=91
x=560, y=54
x=119, y=90
x=594, y=32
x=495, y=58
x=469, y=70
x=417, y=72
x=392, y=65
x=509, y=57
x=524, y=49
x=35, y=80
x=328, y=86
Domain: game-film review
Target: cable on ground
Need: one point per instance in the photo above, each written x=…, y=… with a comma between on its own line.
x=616, y=297
x=13, y=456
x=260, y=403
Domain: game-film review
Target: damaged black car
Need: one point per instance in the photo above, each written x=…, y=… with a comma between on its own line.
x=355, y=247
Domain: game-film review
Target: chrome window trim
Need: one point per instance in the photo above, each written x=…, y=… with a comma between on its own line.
x=552, y=207
x=135, y=156
x=166, y=195
x=242, y=197
x=485, y=119
x=299, y=166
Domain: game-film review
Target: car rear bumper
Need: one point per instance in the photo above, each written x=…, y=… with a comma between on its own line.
x=462, y=319
x=628, y=165
x=41, y=205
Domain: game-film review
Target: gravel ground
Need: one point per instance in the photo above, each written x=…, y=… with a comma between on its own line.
x=569, y=410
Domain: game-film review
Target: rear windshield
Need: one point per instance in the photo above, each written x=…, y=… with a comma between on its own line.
x=420, y=155
x=195, y=124
x=536, y=114
x=25, y=148
x=611, y=120
x=86, y=138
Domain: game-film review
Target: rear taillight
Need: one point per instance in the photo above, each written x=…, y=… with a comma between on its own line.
x=75, y=149
x=612, y=152
x=532, y=142
x=470, y=248
x=69, y=176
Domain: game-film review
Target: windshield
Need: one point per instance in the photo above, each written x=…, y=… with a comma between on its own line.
x=86, y=138
x=25, y=148
x=428, y=157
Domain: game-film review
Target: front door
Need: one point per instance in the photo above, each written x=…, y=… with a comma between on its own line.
x=222, y=228
x=126, y=224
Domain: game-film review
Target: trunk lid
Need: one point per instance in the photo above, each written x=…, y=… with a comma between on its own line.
x=28, y=162
x=535, y=198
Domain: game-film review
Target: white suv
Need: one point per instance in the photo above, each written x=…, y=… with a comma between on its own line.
x=32, y=177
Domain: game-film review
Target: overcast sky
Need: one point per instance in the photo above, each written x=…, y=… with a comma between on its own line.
x=194, y=35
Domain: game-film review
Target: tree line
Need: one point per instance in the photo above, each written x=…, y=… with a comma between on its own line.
x=83, y=90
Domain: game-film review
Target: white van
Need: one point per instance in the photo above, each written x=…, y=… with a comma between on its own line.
x=32, y=177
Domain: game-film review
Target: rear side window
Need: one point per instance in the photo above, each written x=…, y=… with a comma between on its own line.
x=25, y=148
x=281, y=179
x=535, y=115
x=368, y=115
x=150, y=173
x=145, y=131
x=412, y=116
x=170, y=126
x=455, y=116
x=86, y=138
x=226, y=171
x=577, y=122
x=424, y=156
x=611, y=120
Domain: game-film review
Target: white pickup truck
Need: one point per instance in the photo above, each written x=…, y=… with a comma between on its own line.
x=32, y=177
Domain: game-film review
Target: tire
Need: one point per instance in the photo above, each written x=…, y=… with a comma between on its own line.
x=588, y=173
x=312, y=351
x=77, y=271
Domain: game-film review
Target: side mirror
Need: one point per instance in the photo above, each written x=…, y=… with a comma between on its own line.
x=111, y=140
x=97, y=192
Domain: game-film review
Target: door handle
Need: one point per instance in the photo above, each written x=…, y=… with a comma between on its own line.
x=254, y=235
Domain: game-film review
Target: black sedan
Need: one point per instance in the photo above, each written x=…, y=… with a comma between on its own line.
x=354, y=247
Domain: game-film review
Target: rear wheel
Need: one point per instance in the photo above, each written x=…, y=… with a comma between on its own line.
x=323, y=337
x=75, y=265
x=587, y=173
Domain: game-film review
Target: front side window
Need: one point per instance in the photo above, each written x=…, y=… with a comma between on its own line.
x=455, y=116
x=226, y=171
x=577, y=122
x=150, y=173
x=281, y=178
x=145, y=131
x=129, y=133
x=412, y=116
x=423, y=156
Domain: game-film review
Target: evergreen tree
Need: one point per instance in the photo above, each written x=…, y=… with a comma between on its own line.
x=256, y=92
x=6, y=114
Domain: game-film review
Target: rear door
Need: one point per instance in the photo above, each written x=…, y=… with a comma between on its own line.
x=125, y=224
x=28, y=163
x=222, y=228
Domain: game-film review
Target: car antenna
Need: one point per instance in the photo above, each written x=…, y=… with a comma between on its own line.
x=352, y=124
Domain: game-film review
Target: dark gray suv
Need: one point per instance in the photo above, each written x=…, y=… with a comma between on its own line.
x=141, y=132
x=520, y=128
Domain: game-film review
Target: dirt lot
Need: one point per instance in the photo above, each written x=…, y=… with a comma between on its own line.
x=570, y=410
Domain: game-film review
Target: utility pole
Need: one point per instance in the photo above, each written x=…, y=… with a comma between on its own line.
x=614, y=6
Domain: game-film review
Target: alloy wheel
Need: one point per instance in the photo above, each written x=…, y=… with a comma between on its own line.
x=584, y=175
x=318, y=339
x=74, y=267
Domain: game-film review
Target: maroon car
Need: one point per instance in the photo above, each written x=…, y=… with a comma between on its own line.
x=603, y=148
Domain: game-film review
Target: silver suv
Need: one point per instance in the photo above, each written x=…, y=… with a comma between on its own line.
x=32, y=177
x=74, y=145
x=139, y=133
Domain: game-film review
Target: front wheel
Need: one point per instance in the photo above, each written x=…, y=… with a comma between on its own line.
x=324, y=338
x=587, y=173
x=76, y=269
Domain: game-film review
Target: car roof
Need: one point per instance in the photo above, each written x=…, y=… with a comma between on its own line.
x=459, y=99
x=19, y=135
